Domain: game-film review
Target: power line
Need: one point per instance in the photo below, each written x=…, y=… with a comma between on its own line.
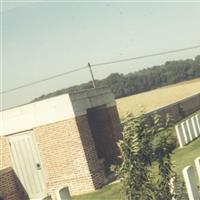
x=43, y=80
x=97, y=65
x=145, y=56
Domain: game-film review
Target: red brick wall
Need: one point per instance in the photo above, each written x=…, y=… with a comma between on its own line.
x=10, y=187
x=95, y=167
x=106, y=131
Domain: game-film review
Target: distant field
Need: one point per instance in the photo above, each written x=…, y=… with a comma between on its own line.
x=148, y=101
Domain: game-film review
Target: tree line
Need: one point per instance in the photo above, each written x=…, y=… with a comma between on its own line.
x=140, y=81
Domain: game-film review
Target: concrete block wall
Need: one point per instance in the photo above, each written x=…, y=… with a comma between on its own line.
x=10, y=187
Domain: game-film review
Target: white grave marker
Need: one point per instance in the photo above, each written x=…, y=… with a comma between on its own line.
x=185, y=132
x=180, y=135
x=190, y=129
x=195, y=128
x=197, y=164
x=198, y=122
x=63, y=194
x=191, y=184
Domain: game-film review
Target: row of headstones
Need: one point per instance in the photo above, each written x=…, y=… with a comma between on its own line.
x=190, y=180
x=61, y=194
x=188, y=130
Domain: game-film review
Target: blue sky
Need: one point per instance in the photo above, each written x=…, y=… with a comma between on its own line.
x=42, y=39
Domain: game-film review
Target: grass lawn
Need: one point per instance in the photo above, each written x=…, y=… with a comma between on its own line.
x=186, y=155
x=182, y=158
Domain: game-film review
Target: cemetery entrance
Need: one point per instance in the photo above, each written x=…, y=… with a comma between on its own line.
x=27, y=165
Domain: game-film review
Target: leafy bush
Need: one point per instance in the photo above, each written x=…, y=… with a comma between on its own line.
x=143, y=143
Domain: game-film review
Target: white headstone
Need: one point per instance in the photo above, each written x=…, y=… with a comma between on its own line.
x=190, y=129
x=197, y=164
x=63, y=194
x=191, y=184
x=195, y=128
x=185, y=132
x=198, y=123
x=180, y=135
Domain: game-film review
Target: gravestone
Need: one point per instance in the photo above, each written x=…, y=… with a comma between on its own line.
x=197, y=164
x=180, y=135
x=185, y=132
x=191, y=184
x=190, y=129
x=63, y=194
x=195, y=128
x=198, y=122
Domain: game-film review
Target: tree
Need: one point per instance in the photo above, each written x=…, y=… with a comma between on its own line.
x=134, y=172
x=138, y=153
x=146, y=79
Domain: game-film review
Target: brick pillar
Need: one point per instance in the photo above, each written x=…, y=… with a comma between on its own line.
x=105, y=127
x=10, y=186
x=94, y=164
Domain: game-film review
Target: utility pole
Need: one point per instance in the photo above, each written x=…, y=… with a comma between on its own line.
x=92, y=76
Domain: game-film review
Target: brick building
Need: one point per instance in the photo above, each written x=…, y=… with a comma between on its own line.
x=68, y=140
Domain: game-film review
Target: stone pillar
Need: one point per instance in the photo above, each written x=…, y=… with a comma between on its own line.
x=191, y=184
x=197, y=164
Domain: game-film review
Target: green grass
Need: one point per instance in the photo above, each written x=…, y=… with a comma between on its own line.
x=182, y=158
x=109, y=192
x=186, y=155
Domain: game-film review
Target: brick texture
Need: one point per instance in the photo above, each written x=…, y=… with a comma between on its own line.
x=5, y=158
x=10, y=187
x=105, y=128
x=68, y=152
x=64, y=159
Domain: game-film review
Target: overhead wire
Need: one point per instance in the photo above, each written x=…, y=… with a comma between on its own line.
x=98, y=65
x=43, y=80
x=145, y=56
